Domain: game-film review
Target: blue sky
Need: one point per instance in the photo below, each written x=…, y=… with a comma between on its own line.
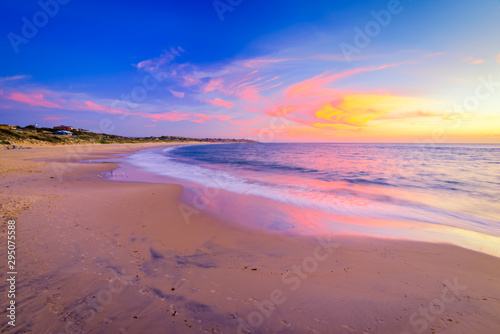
x=264, y=64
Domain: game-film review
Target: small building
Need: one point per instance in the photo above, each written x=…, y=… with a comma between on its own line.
x=64, y=133
x=8, y=127
x=63, y=128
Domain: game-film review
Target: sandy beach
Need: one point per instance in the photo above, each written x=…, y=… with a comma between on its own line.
x=95, y=256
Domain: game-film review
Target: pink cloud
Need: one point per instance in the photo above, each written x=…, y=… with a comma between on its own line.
x=249, y=87
x=34, y=99
x=473, y=61
x=96, y=107
x=219, y=102
x=172, y=116
x=214, y=84
x=245, y=122
x=313, y=86
x=204, y=117
x=150, y=125
x=208, y=117
x=53, y=118
x=222, y=117
x=498, y=58
x=190, y=81
x=80, y=102
x=180, y=95
x=249, y=94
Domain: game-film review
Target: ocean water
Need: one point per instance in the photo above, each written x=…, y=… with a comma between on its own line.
x=439, y=193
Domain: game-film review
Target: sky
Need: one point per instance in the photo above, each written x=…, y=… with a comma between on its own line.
x=416, y=71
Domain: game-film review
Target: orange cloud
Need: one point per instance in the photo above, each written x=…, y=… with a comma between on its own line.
x=311, y=102
x=219, y=102
x=35, y=99
x=410, y=114
x=351, y=111
x=358, y=109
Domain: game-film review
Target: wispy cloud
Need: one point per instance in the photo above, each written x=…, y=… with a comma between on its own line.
x=156, y=64
x=14, y=78
x=316, y=102
x=54, y=118
x=204, y=117
x=472, y=60
x=35, y=99
x=219, y=102
x=171, y=116
x=237, y=122
x=81, y=102
x=180, y=95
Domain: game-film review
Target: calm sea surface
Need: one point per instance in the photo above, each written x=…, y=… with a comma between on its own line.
x=416, y=191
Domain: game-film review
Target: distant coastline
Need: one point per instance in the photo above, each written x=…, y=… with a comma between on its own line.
x=30, y=135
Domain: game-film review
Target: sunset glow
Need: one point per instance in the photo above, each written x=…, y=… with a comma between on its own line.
x=399, y=87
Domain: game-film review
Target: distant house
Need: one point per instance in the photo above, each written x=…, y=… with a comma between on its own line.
x=64, y=133
x=63, y=128
x=8, y=127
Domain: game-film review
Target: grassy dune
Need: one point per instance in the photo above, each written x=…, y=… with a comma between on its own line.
x=48, y=136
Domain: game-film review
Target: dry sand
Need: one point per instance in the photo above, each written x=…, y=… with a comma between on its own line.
x=96, y=256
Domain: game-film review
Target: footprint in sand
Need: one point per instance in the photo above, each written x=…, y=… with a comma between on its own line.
x=348, y=328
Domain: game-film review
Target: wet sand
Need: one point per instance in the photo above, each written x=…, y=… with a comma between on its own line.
x=96, y=256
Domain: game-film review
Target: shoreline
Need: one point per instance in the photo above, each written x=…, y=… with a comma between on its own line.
x=230, y=205
x=119, y=257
